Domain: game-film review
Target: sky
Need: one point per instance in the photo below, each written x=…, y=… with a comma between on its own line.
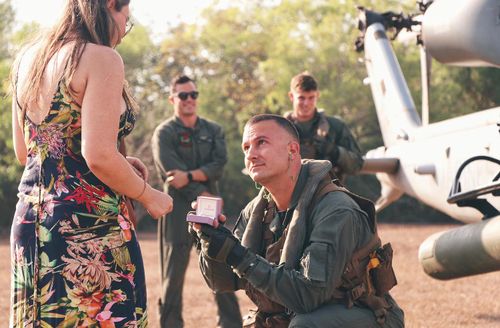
x=155, y=14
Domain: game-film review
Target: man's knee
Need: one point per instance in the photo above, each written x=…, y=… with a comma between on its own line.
x=336, y=315
x=302, y=321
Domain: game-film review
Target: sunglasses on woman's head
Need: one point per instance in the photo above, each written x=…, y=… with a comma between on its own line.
x=185, y=95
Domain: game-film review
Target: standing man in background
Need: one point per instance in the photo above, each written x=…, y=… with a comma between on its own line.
x=189, y=154
x=321, y=136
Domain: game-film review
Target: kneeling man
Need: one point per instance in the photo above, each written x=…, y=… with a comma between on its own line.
x=305, y=249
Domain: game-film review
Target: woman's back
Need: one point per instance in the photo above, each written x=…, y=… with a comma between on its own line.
x=52, y=127
x=71, y=237
x=76, y=261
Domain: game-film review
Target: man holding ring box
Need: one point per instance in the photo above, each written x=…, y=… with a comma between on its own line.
x=305, y=250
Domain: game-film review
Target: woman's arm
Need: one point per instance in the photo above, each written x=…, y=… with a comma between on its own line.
x=103, y=71
x=17, y=133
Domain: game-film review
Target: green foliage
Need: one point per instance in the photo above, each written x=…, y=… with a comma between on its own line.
x=10, y=170
x=6, y=22
x=459, y=90
x=243, y=57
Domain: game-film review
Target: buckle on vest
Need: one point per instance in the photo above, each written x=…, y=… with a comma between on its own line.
x=357, y=292
x=380, y=314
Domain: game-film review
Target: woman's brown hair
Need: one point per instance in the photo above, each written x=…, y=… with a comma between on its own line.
x=82, y=21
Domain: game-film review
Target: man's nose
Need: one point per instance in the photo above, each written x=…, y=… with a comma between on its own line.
x=250, y=153
x=308, y=102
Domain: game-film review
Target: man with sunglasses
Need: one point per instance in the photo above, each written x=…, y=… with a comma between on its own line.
x=189, y=154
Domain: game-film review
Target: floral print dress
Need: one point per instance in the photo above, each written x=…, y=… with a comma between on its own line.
x=75, y=257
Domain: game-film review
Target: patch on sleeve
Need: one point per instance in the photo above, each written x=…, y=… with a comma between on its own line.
x=314, y=262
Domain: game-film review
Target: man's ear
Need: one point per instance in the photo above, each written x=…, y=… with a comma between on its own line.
x=293, y=148
x=290, y=96
x=171, y=99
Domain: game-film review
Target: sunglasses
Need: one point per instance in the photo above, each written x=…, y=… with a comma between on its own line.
x=185, y=95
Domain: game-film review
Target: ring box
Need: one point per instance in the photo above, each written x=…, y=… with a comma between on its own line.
x=208, y=209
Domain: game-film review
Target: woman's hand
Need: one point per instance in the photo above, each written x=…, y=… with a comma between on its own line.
x=139, y=167
x=156, y=202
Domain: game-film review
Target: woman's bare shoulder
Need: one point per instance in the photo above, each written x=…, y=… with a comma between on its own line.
x=101, y=57
x=97, y=62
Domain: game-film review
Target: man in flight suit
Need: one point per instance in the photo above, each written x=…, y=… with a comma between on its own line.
x=189, y=154
x=295, y=248
x=321, y=136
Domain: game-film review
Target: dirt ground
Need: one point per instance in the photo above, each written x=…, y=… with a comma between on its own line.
x=467, y=302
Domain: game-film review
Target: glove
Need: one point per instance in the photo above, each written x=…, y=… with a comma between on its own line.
x=220, y=245
x=196, y=238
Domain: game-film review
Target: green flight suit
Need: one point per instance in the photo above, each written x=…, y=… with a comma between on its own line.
x=178, y=147
x=329, y=138
x=319, y=243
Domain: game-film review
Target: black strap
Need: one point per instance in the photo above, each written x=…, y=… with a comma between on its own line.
x=267, y=235
x=15, y=87
x=330, y=184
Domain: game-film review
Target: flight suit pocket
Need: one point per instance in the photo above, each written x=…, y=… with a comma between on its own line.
x=314, y=263
x=205, y=146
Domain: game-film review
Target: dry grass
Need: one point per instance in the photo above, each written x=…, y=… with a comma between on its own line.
x=467, y=302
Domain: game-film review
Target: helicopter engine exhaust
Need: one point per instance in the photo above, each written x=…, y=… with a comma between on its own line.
x=469, y=37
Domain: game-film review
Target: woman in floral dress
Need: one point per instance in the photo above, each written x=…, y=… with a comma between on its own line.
x=76, y=261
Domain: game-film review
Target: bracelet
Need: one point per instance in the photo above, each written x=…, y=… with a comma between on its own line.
x=143, y=190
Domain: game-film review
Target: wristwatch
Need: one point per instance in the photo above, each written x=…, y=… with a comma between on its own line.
x=190, y=176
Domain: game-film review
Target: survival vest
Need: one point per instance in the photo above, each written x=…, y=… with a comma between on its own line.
x=367, y=277
x=313, y=144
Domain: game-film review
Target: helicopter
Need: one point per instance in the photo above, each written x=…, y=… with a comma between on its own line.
x=451, y=165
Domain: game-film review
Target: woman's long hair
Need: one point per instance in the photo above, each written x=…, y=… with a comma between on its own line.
x=83, y=21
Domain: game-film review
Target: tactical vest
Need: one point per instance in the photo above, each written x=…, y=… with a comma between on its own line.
x=269, y=313
x=369, y=275
x=365, y=280
x=313, y=145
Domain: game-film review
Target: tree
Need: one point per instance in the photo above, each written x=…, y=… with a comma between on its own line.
x=243, y=56
x=10, y=170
